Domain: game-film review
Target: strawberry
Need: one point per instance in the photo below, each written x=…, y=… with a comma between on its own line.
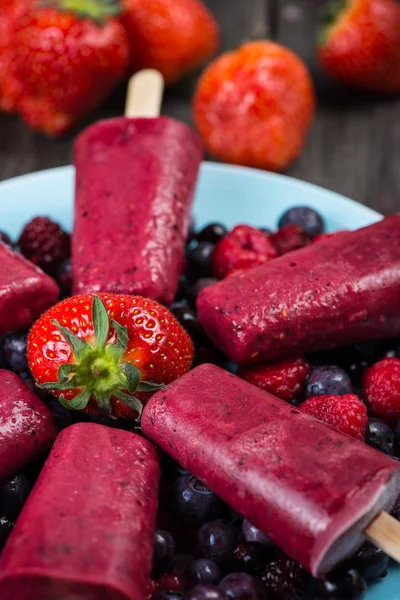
x=360, y=44
x=346, y=413
x=381, y=388
x=67, y=57
x=254, y=106
x=10, y=13
x=284, y=379
x=107, y=353
x=173, y=36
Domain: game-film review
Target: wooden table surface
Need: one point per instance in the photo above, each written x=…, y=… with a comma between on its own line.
x=354, y=145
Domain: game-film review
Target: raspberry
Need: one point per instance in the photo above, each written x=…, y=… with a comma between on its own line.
x=44, y=243
x=346, y=413
x=285, y=379
x=289, y=238
x=381, y=388
x=242, y=248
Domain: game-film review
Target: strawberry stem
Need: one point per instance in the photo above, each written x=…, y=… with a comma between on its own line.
x=98, y=372
x=330, y=14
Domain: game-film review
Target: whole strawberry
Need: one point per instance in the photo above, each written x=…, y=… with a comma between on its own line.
x=45, y=244
x=381, y=388
x=67, y=57
x=173, y=36
x=254, y=106
x=360, y=44
x=107, y=353
x=346, y=413
x=10, y=13
x=284, y=379
x=242, y=248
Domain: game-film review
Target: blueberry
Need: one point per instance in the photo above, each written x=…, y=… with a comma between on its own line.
x=212, y=233
x=5, y=529
x=242, y=586
x=194, y=502
x=328, y=379
x=183, y=286
x=13, y=495
x=380, y=436
x=250, y=558
x=164, y=551
x=342, y=584
x=199, y=259
x=204, y=592
x=371, y=562
x=188, y=319
x=252, y=534
x=62, y=416
x=5, y=238
x=64, y=276
x=397, y=439
x=166, y=595
x=307, y=218
x=208, y=354
x=396, y=511
x=14, y=351
x=217, y=541
x=388, y=349
x=203, y=570
x=198, y=287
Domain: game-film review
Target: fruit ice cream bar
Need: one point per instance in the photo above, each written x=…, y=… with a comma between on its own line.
x=27, y=428
x=87, y=529
x=135, y=182
x=339, y=291
x=25, y=291
x=310, y=488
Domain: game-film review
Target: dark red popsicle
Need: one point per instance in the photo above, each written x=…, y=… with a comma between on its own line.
x=310, y=488
x=86, y=531
x=339, y=291
x=25, y=291
x=135, y=182
x=27, y=428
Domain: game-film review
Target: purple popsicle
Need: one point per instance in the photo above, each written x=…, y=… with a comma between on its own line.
x=86, y=531
x=339, y=291
x=25, y=291
x=135, y=182
x=311, y=489
x=27, y=428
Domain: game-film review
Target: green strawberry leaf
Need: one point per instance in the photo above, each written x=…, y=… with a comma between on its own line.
x=131, y=401
x=101, y=322
x=81, y=401
x=132, y=376
x=64, y=403
x=65, y=371
x=78, y=346
x=119, y=347
x=148, y=386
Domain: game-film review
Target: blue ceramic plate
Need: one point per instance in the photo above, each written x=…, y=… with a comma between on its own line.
x=227, y=194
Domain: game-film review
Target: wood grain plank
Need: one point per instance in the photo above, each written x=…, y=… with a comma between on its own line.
x=354, y=145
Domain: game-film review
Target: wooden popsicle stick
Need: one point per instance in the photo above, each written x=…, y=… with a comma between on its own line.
x=384, y=532
x=144, y=95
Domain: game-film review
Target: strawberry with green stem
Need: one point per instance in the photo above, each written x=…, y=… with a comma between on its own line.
x=107, y=353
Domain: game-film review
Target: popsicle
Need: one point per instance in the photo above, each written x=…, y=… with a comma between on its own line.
x=25, y=291
x=343, y=290
x=27, y=428
x=309, y=488
x=135, y=182
x=86, y=531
